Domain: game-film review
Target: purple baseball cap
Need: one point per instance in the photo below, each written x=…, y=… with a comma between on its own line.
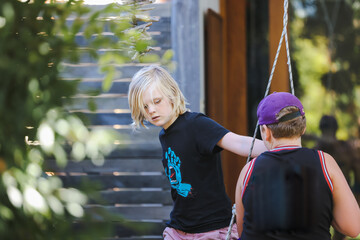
x=272, y=104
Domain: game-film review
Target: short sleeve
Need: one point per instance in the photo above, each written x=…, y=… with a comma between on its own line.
x=208, y=133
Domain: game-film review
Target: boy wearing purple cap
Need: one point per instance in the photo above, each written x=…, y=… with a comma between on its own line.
x=291, y=192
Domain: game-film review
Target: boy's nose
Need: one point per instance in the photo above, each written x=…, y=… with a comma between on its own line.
x=151, y=109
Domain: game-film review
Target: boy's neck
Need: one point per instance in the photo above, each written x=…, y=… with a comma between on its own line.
x=172, y=120
x=280, y=142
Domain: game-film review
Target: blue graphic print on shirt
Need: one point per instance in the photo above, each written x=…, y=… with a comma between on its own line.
x=172, y=171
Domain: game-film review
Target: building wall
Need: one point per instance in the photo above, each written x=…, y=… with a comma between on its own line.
x=188, y=44
x=188, y=41
x=205, y=5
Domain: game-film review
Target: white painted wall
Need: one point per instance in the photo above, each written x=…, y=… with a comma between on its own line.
x=187, y=36
x=204, y=5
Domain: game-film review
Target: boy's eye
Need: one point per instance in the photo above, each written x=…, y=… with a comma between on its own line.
x=157, y=101
x=145, y=106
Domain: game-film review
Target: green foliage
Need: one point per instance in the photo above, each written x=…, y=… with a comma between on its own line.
x=35, y=39
x=326, y=49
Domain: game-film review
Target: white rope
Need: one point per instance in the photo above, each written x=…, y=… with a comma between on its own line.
x=283, y=34
x=231, y=222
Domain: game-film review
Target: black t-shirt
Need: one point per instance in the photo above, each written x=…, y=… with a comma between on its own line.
x=287, y=196
x=192, y=163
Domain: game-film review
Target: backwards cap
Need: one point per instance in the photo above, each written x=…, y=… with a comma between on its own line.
x=272, y=104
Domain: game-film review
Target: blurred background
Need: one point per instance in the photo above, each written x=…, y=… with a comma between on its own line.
x=71, y=165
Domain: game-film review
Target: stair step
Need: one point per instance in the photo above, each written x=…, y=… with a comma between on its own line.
x=85, y=57
x=163, y=25
x=118, y=86
x=111, y=165
x=110, y=117
x=139, y=230
x=121, y=230
x=136, y=197
x=88, y=70
x=117, y=184
x=137, y=150
x=134, y=230
x=103, y=101
x=134, y=212
x=106, y=118
x=131, y=182
x=163, y=39
x=160, y=9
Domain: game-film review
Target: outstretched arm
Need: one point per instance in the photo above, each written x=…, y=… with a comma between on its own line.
x=346, y=211
x=240, y=145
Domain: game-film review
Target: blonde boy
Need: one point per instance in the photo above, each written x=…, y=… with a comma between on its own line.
x=291, y=192
x=191, y=144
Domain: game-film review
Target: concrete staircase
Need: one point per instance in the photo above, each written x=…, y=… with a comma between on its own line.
x=131, y=182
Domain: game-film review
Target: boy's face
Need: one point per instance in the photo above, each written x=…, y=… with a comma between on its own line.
x=158, y=108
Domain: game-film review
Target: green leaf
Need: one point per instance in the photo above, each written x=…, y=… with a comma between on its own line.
x=107, y=82
x=149, y=58
x=92, y=105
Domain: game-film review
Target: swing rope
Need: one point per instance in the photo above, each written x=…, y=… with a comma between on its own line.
x=283, y=35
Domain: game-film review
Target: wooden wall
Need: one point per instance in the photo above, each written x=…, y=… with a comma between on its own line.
x=226, y=80
x=280, y=82
x=234, y=15
x=226, y=72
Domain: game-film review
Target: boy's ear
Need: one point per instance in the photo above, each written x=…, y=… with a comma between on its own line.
x=268, y=133
x=303, y=131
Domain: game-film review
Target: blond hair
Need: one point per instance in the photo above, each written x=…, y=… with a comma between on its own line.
x=159, y=78
x=288, y=129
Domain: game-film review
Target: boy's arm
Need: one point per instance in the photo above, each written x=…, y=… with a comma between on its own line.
x=240, y=145
x=238, y=200
x=346, y=211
